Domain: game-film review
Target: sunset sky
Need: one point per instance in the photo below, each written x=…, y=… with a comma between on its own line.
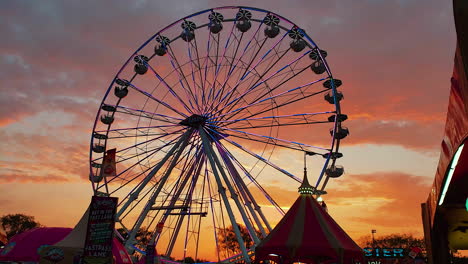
x=395, y=58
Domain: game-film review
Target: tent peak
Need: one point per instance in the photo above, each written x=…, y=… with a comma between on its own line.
x=305, y=187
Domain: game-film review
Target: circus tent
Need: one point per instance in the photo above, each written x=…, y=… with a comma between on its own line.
x=308, y=234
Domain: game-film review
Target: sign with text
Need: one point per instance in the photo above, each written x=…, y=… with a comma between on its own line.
x=100, y=233
x=384, y=252
x=413, y=255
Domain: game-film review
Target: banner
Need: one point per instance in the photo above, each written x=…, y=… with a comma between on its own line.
x=100, y=232
x=108, y=168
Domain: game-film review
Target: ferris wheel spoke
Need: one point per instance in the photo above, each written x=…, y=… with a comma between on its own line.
x=261, y=189
x=194, y=78
x=228, y=70
x=229, y=86
x=288, y=99
x=147, y=155
x=126, y=149
x=143, y=152
x=268, y=121
x=281, y=99
x=249, y=70
x=157, y=100
x=253, y=85
x=205, y=75
x=136, y=191
x=220, y=62
x=194, y=46
x=239, y=82
x=146, y=114
x=208, y=93
x=297, y=93
x=130, y=132
x=182, y=79
x=143, y=134
x=176, y=134
x=171, y=90
x=270, y=140
x=260, y=83
x=233, y=66
x=266, y=161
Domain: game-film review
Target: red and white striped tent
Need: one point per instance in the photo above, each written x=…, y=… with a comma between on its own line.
x=308, y=234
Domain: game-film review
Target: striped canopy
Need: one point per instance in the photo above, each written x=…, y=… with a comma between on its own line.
x=308, y=234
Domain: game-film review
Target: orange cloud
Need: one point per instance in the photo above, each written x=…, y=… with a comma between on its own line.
x=9, y=178
x=382, y=200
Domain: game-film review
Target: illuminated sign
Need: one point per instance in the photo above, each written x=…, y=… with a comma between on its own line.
x=384, y=252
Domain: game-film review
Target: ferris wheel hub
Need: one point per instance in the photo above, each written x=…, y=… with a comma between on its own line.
x=194, y=121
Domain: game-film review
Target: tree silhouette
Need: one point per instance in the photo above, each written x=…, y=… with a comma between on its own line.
x=393, y=241
x=17, y=223
x=227, y=239
x=143, y=236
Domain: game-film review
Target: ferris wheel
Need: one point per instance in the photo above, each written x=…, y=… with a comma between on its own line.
x=207, y=120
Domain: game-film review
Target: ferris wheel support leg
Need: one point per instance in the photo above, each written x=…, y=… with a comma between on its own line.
x=222, y=191
x=256, y=207
x=153, y=172
x=186, y=202
x=246, y=195
x=254, y=211
x=235, y=197
x=151, y=201
x=179, y=190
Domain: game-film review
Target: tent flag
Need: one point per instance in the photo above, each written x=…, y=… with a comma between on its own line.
x=108, y=165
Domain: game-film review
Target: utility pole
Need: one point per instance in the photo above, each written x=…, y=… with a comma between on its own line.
x=373, y=239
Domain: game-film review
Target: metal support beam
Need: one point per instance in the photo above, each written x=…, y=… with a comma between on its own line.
x=169, y=207
x=160, y=185
x=203, y=214
x=243, y=190
x=235, y=197
x=134, y=195
x=210, y=154
x=256, y=206
x=200, y=161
